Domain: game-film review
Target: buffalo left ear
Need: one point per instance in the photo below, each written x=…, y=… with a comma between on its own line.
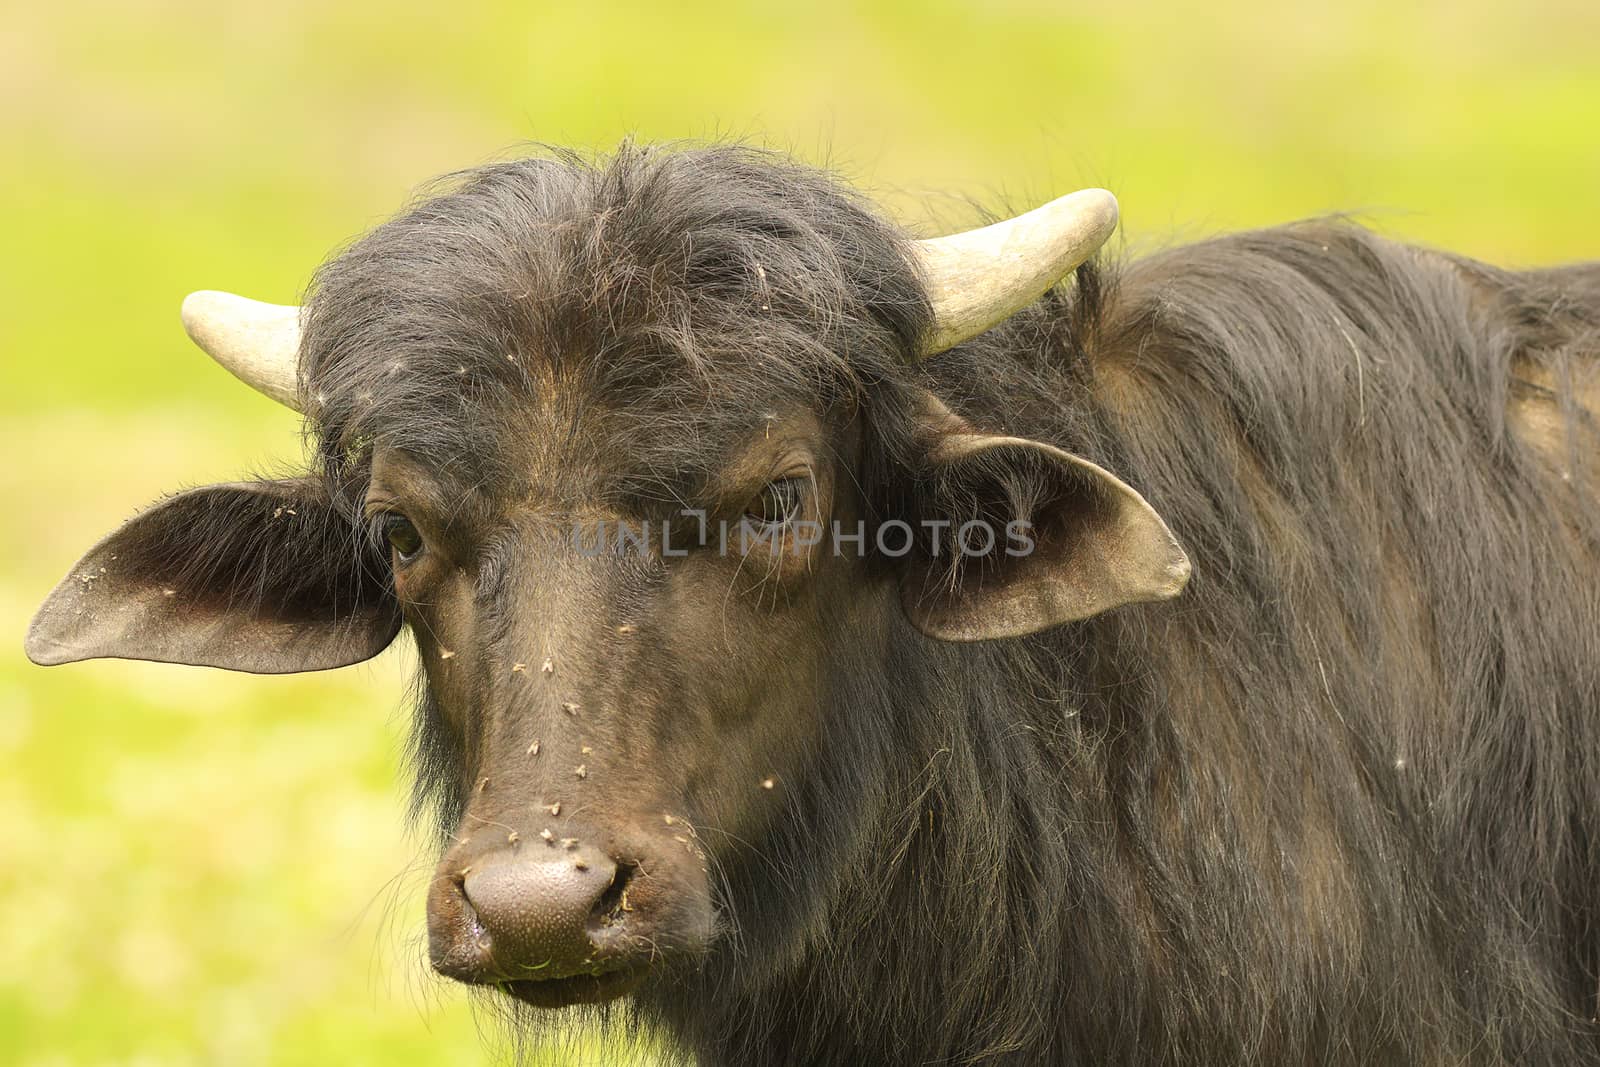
x=1069, y=541
x=261, y=576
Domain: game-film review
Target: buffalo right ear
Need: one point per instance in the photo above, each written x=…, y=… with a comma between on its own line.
x=1092, y=542
x=265, y=577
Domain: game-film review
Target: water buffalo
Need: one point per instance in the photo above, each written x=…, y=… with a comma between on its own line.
x=931, y=763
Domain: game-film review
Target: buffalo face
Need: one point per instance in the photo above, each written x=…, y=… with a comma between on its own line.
x=615, y=699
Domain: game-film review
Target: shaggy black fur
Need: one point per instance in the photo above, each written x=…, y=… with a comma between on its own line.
x=1336, y=803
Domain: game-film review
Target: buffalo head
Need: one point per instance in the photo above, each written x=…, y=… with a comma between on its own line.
x=641, y=454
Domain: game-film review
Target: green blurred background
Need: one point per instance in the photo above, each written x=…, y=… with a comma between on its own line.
x=199, y=867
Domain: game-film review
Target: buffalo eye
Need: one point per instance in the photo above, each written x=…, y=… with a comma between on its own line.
x=778, y=503
x=403, y=538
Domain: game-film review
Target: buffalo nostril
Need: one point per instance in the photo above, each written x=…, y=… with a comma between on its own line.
x=613, y=906
x=458, y=945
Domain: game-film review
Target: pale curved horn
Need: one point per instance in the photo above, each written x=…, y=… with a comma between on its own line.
x=258, y=343
x=980, y=278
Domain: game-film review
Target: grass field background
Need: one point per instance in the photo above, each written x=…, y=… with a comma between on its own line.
x=199, y=867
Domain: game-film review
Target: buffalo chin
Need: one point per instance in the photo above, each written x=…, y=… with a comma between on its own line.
x=578, y=989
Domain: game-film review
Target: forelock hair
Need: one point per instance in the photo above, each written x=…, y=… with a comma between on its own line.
x=681, y=290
